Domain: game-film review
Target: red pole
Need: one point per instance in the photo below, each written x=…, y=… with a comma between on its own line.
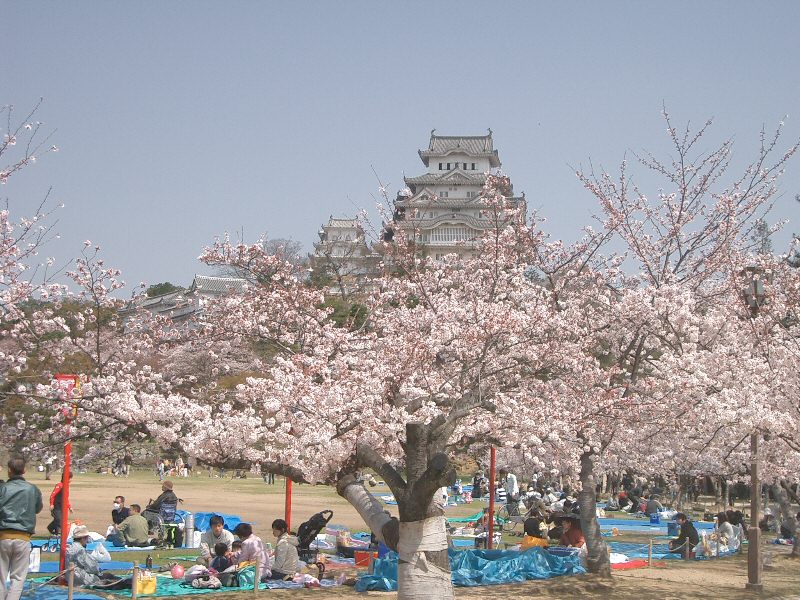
x=71, y=383
x=492, y=465
x=62, y=560
x=288, y=507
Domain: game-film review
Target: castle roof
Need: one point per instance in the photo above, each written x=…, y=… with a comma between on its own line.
x=217, y=285
x=472, y=145
x=450, y=178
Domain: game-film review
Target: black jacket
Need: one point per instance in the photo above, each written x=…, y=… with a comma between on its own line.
x=118, y=515
x=167, y=497
x=688, y=532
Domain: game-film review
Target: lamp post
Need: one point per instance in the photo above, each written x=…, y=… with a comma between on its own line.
x=754, y=297
x=753, y=532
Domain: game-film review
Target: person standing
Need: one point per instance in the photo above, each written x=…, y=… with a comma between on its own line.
x=20, y=502
x=57, y=506
x=509, y=482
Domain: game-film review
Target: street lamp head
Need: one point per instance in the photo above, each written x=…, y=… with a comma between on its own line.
x=754, y=292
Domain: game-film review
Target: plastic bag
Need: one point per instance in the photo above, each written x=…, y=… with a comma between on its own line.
x=101, y=554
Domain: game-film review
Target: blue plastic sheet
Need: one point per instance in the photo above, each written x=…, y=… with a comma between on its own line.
x=660, y=551
x=481, y=567
x=54, y=592
x=114, y=565
x=202, y=520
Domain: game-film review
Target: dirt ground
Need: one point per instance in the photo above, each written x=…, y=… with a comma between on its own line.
x=253, y=500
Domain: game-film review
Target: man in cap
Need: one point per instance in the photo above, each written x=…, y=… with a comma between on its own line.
x=20, y=502
x=571, y=535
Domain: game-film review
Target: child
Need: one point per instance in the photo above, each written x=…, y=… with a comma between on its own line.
x=236, y=545
x=220, y=562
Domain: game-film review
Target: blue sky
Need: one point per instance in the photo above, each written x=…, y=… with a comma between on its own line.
x=179, y=121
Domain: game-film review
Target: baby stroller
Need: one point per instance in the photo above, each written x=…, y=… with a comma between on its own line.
x=307, y=533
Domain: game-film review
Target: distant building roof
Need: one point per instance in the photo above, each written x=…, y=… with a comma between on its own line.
x=207, y=284
x=473, y=145
x=343, y=223
x=451, y=177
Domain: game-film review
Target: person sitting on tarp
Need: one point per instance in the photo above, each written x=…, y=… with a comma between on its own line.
x=285, y=561
x=725, y=529
x=220, y=561
x=687, y=537
x=120, y=511
x=554, y=525
x=87, y=570
x=785, y=533
x=133, y=531
x=573, y=534
x=535, y=533
x=653, y=506
x=768, y=522
x=252, y=550
x=215, y=534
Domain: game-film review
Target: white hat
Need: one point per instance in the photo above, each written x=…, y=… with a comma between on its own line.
x=80, y=531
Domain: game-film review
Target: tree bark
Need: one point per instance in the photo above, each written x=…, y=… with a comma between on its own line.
x=597, y=560
x=717, y=483
x=787, y=515
x=727, y=495
x=420, y=535
x=682, y=493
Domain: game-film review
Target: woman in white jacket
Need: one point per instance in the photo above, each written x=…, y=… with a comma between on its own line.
x=286, y=559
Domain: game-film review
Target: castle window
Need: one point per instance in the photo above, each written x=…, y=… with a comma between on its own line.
x=440, y=166
x=465, y=166
x=473, y=166
x=448, y=166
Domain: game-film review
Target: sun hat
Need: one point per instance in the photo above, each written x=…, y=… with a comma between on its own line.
x=80, y=531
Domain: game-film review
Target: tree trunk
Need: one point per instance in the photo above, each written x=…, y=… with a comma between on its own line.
x=420, y=535
x=787, y=515
x=726, y=499
x=597, y=560
x=682, y=493
x=717, y=483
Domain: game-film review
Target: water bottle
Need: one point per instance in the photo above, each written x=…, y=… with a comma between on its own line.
x=188, y=531
x=148, y=562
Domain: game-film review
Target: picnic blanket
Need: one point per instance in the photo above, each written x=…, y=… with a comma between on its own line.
x=481, y=567
x=166, y=586
x=54, y=592
x=114, y=565
x=202, y=520
x=660, y=551
x=92, y=545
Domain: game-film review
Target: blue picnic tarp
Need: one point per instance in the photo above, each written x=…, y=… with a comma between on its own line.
x=54, y=592
x=114, y=565
x=660, y=551
x=481, y=567
x=644, y=525
x=202, y=520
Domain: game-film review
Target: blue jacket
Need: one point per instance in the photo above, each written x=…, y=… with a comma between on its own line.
x=20, y=502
